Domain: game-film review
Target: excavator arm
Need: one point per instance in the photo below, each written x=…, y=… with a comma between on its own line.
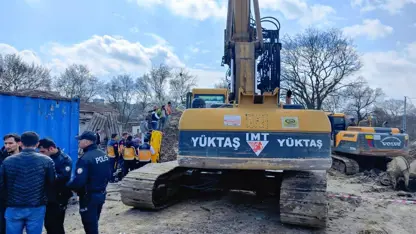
x=252, y=54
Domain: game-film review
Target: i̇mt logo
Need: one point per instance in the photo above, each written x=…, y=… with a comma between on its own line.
x=257, y=141
x=391, y=141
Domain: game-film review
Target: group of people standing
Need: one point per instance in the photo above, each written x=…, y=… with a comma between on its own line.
x=127, y=154
x=36, y=184
x=160, y=116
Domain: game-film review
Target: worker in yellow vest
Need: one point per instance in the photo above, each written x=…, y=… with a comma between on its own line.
x=129, y=155
x=113, y=155
x=145, y=153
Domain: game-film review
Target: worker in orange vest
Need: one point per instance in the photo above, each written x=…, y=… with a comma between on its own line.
x=145, y=153
x=129, y=156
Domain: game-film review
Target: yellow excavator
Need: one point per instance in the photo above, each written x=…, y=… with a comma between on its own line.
x=364, y=146
x=258, y=144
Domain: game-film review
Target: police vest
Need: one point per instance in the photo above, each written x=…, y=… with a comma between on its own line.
x=144, y=153
x=129, y=153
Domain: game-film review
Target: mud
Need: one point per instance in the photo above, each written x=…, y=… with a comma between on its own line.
x=242, y=212
x=170, y=137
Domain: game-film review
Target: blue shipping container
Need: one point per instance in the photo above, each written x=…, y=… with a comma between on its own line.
x=56, y=118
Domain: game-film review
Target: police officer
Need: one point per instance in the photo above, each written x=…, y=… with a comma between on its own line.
x=92, y=175
x=113, y=155
x=58, y=198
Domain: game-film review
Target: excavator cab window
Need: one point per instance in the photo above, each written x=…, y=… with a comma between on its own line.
x=211, y=98
x=339, y=123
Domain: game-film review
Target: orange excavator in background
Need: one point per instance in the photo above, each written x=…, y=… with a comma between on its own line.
x=256, y=143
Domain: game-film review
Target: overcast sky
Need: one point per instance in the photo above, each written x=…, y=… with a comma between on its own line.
x=118, y=36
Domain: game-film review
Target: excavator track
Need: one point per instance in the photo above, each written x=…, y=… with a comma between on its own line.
x=152, y=186
x=345, y=165
x=303, y=199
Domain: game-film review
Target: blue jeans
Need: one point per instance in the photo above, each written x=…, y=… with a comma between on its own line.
x=30, y=218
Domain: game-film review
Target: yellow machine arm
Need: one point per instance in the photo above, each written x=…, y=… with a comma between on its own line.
x=244, y=43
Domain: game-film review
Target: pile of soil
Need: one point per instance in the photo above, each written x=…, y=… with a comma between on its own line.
x=169, y=148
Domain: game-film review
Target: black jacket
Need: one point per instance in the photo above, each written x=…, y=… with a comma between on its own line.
x=92, y=172
x=4, y=154
x=63, y=167
x=27, y=177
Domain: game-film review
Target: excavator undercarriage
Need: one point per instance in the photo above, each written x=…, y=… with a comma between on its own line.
x=302, y=194
x=345, y=165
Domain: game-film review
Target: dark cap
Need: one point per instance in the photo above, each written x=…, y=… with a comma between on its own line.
x=87, y=135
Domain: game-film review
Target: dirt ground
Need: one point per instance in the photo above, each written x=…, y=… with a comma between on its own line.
x=240, y=212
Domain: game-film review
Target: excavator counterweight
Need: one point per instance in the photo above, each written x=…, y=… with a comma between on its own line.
x=245, y=143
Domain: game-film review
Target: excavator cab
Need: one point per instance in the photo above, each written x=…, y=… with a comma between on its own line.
x=212, y=98
x=338, y=123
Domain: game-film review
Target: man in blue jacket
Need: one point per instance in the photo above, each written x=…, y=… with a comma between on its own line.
x=92, y=174
x=11, y=147
x=26, y=196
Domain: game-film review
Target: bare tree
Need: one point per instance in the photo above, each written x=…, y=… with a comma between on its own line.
x=335, y=102
x=316, y=63
x=395, y=107
x=360, y=98
x=157, y=80
x=144, y=92
x=77, y=81
x=222, y=84
x=15, y=75
x=181, y=84
x=392, y=110
x=121, y=94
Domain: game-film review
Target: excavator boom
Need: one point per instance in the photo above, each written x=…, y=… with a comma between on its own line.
x=252, y=54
